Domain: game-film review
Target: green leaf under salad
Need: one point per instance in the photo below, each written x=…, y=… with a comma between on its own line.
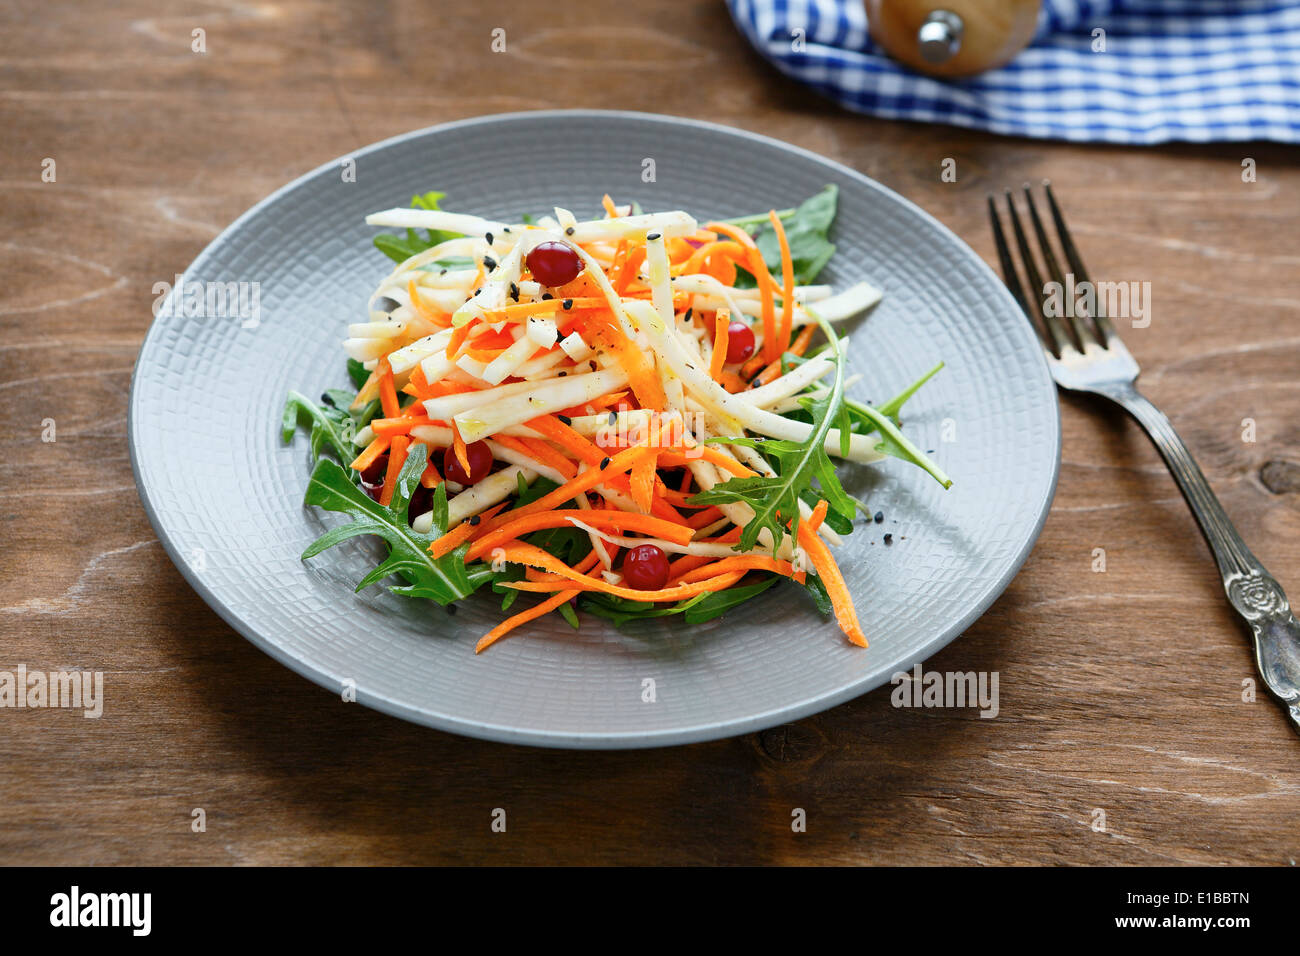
x=444, y=579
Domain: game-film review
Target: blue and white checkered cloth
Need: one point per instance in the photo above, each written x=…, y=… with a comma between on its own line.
x=1195, y=70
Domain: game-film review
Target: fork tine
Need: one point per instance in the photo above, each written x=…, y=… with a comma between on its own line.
x=1009, y=275
x=1082, y=333
x=1099, y=318
x=1055, y=329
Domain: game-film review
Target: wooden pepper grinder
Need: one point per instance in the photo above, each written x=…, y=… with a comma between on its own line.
x=952, y=37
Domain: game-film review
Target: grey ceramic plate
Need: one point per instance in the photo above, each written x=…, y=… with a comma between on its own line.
x=225, y=495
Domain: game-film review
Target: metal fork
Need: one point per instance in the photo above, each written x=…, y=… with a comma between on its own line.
x=1086, y=355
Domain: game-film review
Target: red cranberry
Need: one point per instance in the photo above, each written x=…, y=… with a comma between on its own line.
x=740, y=342
x=372, y=477
x=646, y=568
x=480, y=463
x=421, y=501
x=554, y=263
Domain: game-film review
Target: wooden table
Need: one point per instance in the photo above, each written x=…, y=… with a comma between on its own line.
x=1120, y=691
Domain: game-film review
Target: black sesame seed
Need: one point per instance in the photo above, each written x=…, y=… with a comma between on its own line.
x=489, y=263
x=562, y=374
x=488, y=237
x=475, y=519
x=569, y=231
x=879, y=517
x=565, y=419
x=442, y=272
x=477, y=291
x=324, y=397
x=514, y=292
x=652, y=237
x=687, y=316
x=568, y=304
x=889, y=539
x=546, y=297
x=604, y=463
x=506, y=230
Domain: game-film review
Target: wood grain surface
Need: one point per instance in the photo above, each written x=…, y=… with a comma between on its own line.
x=1121, y=691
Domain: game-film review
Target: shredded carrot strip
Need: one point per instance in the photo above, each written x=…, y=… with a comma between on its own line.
x=787, y=282
x=542, y=306
x=643, y=483
x=704, y=517
x=818, y=515
x=732, y=382
x=416, y=382
x=431, y=478
x=387, y=392
x=532, y=613
x=520, y=553
x=458, y=535
x=629, y=269
x=458, y=338
x=640, y=375
x=585, y=481
x=709, y=454
x=552, y=429
x=717, y=259
x=688, y=562
x=758, y=562
x=833, y=581
x=756, y=265
x=800, y=346
x=368, y=390
x=606, y=518
x=721, y=320
x=608, y=205
x=458, y=444
x=389, y=427
x=372, y=451
x=396, y=458
x=421, y=307
x=539, y=451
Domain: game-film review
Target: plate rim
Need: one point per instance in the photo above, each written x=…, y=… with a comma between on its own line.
x=592, y=740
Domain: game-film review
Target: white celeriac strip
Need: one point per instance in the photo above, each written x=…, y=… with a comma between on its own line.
x=574, y=347
x=735, y=408
x=408, y=356
x=543, y=398
x=597, y=544
x=492, y=490
x=496, y=289
x=796, y=380
x=670, y=225
x=436, y=219
x=791, y=403
x=843, y=305
x=504, y=365
x=460, y=247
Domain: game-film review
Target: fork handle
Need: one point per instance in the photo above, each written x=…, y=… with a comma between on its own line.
x=1251, y=590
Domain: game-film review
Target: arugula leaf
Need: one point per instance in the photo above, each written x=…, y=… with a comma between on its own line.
x=399, y=248
x=806, y=230
x=820, y=597
x=444, y=579
x=331, y=427
x=357, y=373
x=799, y=466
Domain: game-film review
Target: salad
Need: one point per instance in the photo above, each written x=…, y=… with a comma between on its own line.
x=633, y=416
